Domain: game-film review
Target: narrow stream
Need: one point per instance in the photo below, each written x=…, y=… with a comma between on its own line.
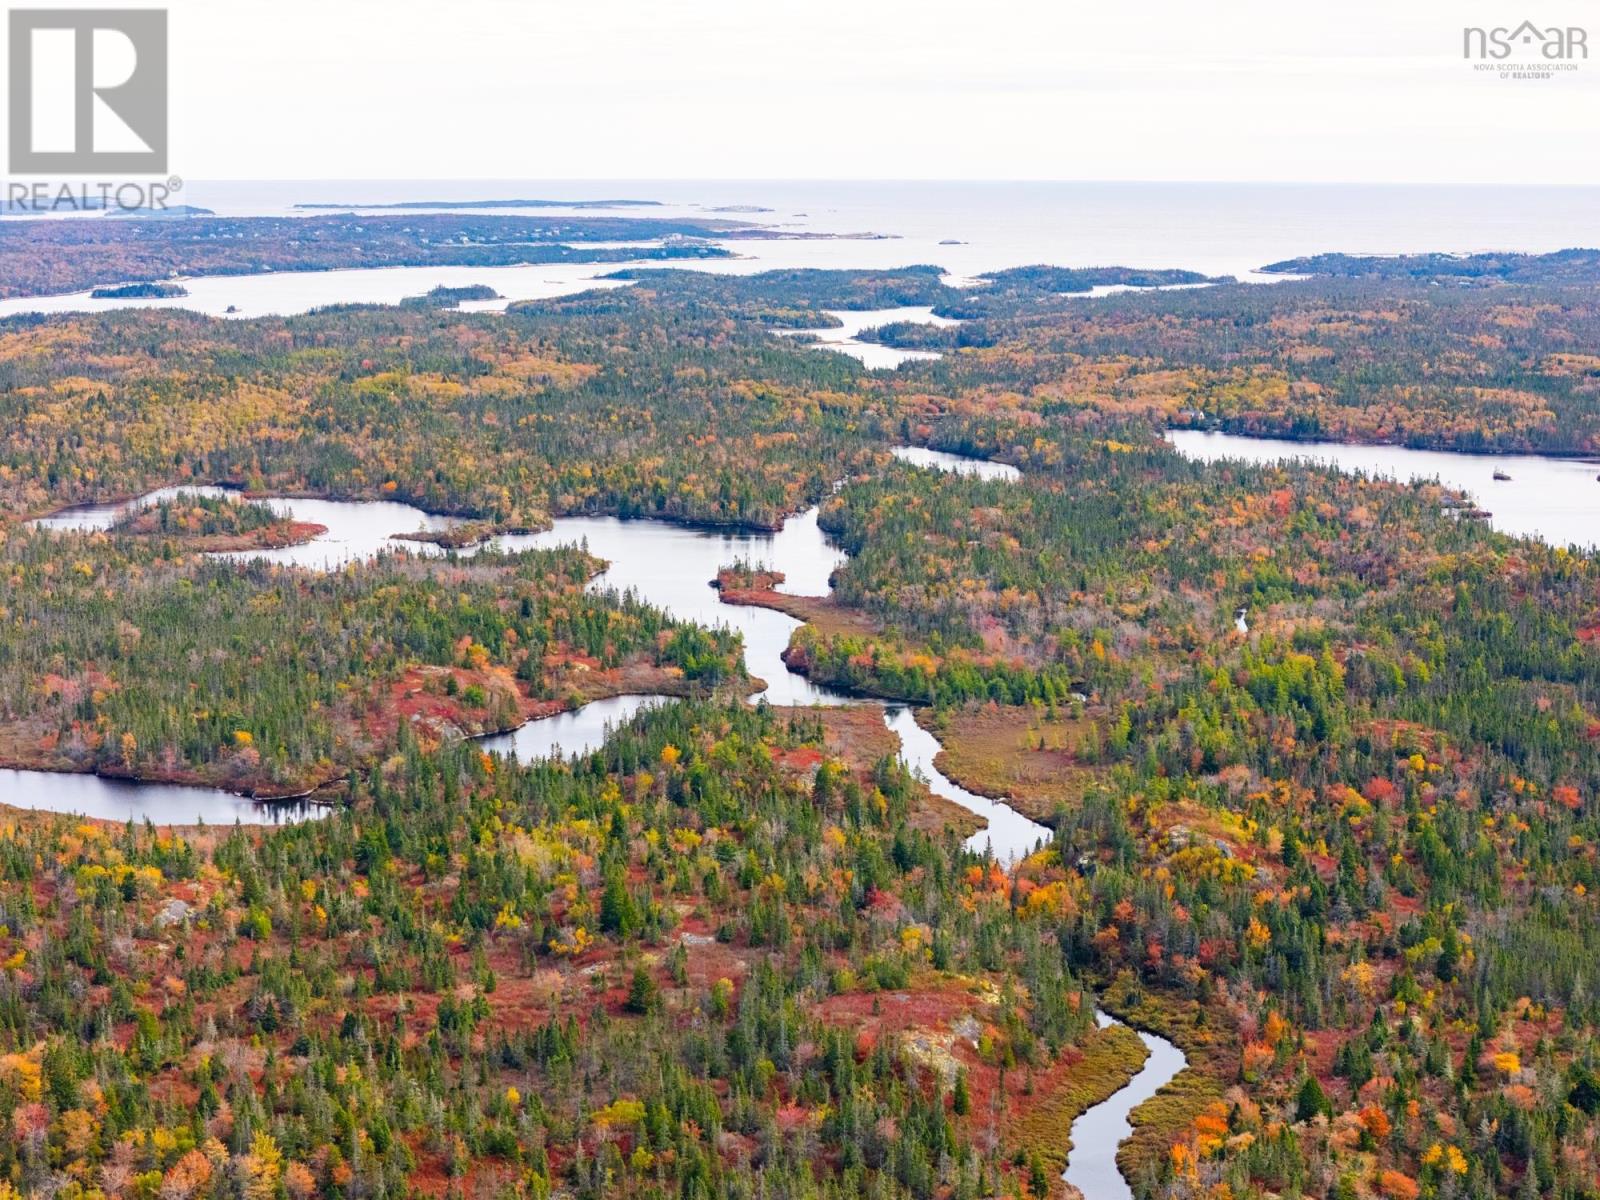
x=1008, y=835
x=1099, y=1131
x=669, y=566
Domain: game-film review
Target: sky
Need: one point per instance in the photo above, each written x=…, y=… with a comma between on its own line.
x=919, y=89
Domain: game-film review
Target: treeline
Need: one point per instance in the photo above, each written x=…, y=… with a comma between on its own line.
x=639, y=407
x=120, y=656
x=1562, y=266
x=189, y=515
x=43, y=257
x=1503, y=368
x=1346, y=857
x=489, y=978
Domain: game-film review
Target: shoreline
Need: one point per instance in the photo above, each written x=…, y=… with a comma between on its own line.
x=1589, y=457
x=697, y=524
x=176, y=778
x=295, y=533
x=627, y=684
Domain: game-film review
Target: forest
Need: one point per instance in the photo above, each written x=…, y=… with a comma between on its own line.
x=45, y=257
x=1505, y=367
x=139, y=656
x=1578, y=266
x=1340, y=849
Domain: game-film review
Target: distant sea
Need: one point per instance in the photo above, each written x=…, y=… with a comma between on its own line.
x=1221, y=229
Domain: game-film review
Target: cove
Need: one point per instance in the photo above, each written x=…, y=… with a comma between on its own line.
x=1554, y=499
x=126, y=800
x=845, y=338
x=576, y=732
x=669, y=566
x=956, y=464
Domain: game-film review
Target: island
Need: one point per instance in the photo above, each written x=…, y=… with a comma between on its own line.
x=444, y=296
x=208, y=524
x=149, y=290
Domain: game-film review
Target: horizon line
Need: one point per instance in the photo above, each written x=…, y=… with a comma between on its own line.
x=907, y=179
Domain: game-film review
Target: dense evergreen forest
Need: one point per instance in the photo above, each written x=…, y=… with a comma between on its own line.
x=1346, y=857
x=1561, y=266
x=151, y=661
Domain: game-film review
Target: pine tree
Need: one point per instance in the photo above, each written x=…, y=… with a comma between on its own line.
x=642, y=991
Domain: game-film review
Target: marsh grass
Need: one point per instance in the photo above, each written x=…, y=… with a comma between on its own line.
x=1110, y=1058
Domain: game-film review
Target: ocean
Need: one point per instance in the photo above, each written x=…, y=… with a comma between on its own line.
x=1217, y=228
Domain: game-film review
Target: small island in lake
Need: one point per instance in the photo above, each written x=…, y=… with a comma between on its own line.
x=920, y=335
x=149, y=290
x=216, y=524
x=463, y=536
x=450, y=297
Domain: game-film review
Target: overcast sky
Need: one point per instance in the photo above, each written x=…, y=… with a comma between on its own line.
x=1120, y=89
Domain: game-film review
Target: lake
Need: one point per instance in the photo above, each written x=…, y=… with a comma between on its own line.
x=85, y=518
x=124, y=800
x=1556, y=499
x=355, y=529
x=845, y=337
x=670, y=566
x=956, y=464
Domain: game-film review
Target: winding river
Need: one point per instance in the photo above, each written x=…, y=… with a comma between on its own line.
x=1099, y=1131
x=669, y=566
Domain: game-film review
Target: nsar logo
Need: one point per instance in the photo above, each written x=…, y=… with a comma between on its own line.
x=1554, y=44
